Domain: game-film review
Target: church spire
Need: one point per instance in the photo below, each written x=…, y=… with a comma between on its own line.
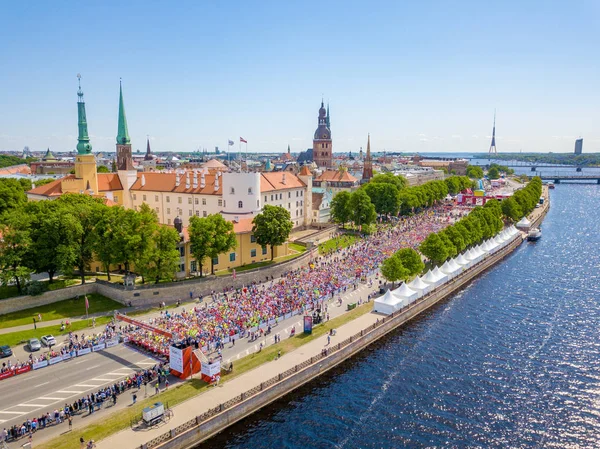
x=83, y=140
x=368, y=164
x=123, y=133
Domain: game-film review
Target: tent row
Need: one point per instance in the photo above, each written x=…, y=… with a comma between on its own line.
x=407, y=293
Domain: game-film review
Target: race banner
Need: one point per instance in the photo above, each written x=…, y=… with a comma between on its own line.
x=23, y=369
x=6, y=375
x=42, y=364
x=55, y=360
x=176, y=359
x=83, y=351
x=66, y=356
x=143, y=325
x=99, y=347
x=111, y=343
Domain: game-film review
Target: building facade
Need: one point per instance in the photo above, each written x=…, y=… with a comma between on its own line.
x=322, y=144
x=579, y=146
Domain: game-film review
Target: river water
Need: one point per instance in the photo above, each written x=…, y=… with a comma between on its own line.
x=511, y=361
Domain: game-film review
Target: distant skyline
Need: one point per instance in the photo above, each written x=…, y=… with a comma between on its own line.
x=418, y=76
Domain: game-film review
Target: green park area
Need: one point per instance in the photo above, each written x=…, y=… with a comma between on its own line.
x=190, y=389
x=342, y=241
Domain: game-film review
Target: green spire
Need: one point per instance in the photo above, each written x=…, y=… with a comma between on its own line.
x=123, y=133
x=328, y=122
x=83, y=140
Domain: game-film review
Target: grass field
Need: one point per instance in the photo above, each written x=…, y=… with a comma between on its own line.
x=121, y=420
x=297, y=247
x=342, y=241
x=252, y=266
x=69, y=308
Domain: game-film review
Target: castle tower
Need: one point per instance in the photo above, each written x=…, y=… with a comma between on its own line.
x=86, y=176
x=493, y=145
x=368, y=166
x=322, y=147
x=127, y=174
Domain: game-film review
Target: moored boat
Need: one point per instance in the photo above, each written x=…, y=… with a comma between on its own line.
x=534, y=235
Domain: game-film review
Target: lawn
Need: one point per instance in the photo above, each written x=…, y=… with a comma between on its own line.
x=118, y=421
x=342, y=241
x=297, y=247
x=69, y=308
x=252, y=266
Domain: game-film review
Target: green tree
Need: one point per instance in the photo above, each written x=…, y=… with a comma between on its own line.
x=434, y=249
x=106, y=245
x=451, y=249
x=393, y=270
x=493, y=173
x=14, y=248
x=411, y=260
x=389, y=178
x=223, y=240
x=511, y=209
x=201, y=234
x=12, y=195
x=103, y=169
x=162, y=256
x=272, y=227
x=474, y=171
x=363, y=211
x=340, y=208
x=43, y=182
x=456, y=238
x=384, y=196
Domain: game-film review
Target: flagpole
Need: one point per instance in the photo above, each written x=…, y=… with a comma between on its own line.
x=246, y=156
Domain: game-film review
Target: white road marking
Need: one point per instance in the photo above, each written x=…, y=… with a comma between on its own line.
x=45, y=383
x=102, y=380
x=146, y=363
x=81, y=361
x=92, y=367
x=48, y=398
x=86, y=385
x=28, y=405
x=70, y=391
x=2, y=420
x=14, y=413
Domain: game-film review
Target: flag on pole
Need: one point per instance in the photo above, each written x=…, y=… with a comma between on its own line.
x=234, y=274
x=231, y=143
x=243, y=140
x=87, y=303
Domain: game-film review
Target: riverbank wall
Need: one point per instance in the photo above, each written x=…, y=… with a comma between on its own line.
x=216, y=419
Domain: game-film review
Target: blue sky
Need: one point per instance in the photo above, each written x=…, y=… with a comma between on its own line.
x=418, y=76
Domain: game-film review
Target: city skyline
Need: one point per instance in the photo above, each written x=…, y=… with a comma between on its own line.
x=418, y=78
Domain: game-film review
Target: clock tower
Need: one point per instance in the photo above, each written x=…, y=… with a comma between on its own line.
x=322, y=147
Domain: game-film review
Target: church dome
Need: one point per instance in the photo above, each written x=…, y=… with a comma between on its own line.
x=322, y=133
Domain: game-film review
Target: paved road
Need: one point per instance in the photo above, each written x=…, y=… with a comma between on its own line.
x=34, y=393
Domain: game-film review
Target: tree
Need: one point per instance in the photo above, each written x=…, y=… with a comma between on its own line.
x=340, y=209
x=434, y=249
x=493, y=173
x=474, y=171
x=363, y=211
x=43, y=182
x=393, y=270
x=223, y=239
x=14, y=247
x=12, y=195
x=162, y=257
x=384, y=196
x=411, y=260
x=456, y=238
x=107, y=243
x=201, y=235
x=103, y=169
x=511, y=209
x=272, y=227
x=389, y=178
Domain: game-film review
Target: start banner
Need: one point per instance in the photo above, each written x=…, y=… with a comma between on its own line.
x=83, y=351
x=111, y=343
x=99, y=347
x=6, y=375
x=23, y=369
x=42, y=364
x=55, y=360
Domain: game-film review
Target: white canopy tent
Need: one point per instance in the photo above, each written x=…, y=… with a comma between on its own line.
x=524, y=223
x=442, y=277
x=419, y=286
x=431, y=279
x=462, y=260
x=387, y=304
x=456, y=267
x=406, y=294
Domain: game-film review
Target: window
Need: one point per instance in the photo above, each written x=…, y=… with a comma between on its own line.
x=271, y=197
x=266, y=198
x=215, y=261
x=252, y=253
x=252, y=238
x=249, y=190
x=182, y=251
x=179, y=200
x=168, y=210
x=190, y=200
x=157, y=210
x=257, y=203
x=289, y=205
x=182, y=267
x=240, y=205
x=289, y=194
x=204, y=213
x=224, y=203
x=193, y=266
x=232, y=257
x=169, y=221
x=297, y=193
x=296, y=203
x=116, y=199
x=220, y=203
x=296, y=212
x=134, y=197
x=168, y=199
x=156, y=198
x=190, y=212
x=197, y=213
x=143, y=198
x=196, y=201
x=264, y=250
x=281, y=196
x=179, y=212
x=232, y=191
x=322, y=145
x=301, y=192
x=203, y=201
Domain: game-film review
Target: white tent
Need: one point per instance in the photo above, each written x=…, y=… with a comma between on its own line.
x=461, y=260
x=456, y=267
x=485, y=246
x=387, y=304
x=406, y=294
x=471, y=257
x=431, y=279
x=524, y=223
x=419, y=286
x=451, y=268
x=492, y=245
x=442, y=277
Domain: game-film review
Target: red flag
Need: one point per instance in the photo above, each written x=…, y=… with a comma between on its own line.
x=243, y=140
x=234, y=273
x=87, y=303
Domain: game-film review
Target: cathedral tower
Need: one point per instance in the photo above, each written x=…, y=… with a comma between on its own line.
x=368, y=165
x=127, y=174
x=322, y=147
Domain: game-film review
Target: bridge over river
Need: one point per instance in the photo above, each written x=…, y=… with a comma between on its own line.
x=562, y=176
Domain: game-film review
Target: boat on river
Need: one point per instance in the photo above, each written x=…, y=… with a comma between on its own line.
x=534, y=235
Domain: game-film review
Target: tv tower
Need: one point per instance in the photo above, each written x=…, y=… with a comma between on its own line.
x=493, y=145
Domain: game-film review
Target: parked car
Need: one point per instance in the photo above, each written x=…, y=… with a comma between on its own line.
x=48, y=340
x=34, y=344
x=5, y=351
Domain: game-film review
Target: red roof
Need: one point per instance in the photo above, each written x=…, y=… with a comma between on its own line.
x=165, y=182
x=108, y=182
x=53, y=188
x=274, y=181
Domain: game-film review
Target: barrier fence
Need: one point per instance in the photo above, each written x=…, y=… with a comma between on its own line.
x=440, y=291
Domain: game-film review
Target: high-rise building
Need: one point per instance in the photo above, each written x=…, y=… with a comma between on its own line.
x=579, y=145
x=322, y=147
